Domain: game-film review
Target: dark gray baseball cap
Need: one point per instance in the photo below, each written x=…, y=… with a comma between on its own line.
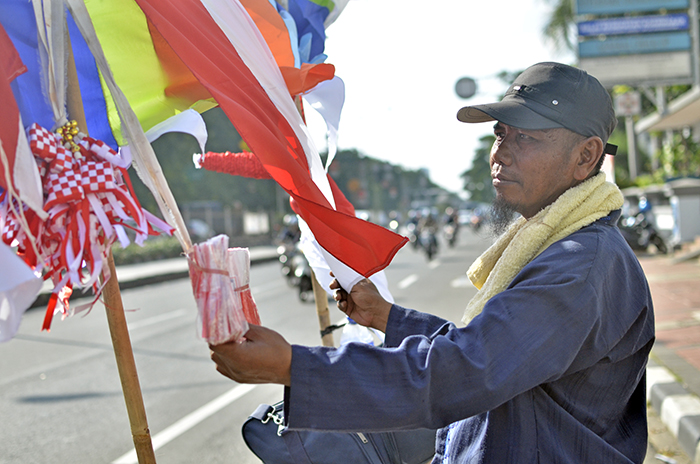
x=551, y=95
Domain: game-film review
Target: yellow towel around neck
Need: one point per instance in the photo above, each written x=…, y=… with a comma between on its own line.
x=576, y=208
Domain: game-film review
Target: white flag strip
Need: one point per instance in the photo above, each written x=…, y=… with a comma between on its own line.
x=240, y=29
x=26, y=174
x=328, y=98
x=322, y=262
x=19, y=287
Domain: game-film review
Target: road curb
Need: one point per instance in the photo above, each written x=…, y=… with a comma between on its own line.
x=138, y=275
x=678, y=408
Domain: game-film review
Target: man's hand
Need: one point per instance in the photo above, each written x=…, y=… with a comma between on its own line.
x=364, y=304
x=263, y=356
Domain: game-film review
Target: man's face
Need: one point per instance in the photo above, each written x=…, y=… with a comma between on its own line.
x=532, y=168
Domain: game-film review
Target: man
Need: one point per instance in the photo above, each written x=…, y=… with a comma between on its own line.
x=550, y=367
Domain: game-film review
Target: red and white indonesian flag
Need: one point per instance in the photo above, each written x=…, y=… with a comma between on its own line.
x=18, y=172
x=220, y=44
x=18, y=175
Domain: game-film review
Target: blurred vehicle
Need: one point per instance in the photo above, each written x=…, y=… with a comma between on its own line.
x=199, y=230
x=639, y=230
x=427, y=235
x=302, y=278
x=295, y=267
x=479, y=217
x=451, y=228
x=412, y=228
x=428, y=241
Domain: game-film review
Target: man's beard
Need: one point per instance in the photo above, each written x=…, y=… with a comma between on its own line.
x=502, y=214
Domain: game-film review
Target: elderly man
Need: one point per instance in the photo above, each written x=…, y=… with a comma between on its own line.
x=550, y=367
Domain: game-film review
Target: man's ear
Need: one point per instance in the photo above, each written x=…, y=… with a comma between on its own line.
x=589, y=152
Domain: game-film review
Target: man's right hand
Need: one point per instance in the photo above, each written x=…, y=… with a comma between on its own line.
x=364, y=304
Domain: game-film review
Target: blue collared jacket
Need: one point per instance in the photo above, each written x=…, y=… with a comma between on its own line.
x=552, y=370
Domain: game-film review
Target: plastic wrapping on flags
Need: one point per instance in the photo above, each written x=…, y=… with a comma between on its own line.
x=221, y=284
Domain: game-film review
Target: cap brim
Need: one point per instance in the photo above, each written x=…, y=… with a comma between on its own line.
x=512, y=113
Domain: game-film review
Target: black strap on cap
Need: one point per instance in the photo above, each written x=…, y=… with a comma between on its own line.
x=610, y=149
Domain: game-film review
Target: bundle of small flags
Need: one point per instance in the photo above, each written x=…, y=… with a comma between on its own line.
x=220, y=281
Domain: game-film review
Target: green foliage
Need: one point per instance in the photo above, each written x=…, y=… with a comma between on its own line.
x=676, y=159
x=681, y=157
x=477, y=179
x=559, y=25
x=188, y=184
x=153, y=249
x=369, y=183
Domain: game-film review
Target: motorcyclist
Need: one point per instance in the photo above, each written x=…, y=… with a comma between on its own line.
x=451, y=225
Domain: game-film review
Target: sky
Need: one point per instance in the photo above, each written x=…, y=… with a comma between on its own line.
x=400, y=66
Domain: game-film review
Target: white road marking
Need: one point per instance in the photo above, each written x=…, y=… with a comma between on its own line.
x=407, y=281
x=434, y=263
x=189, y=421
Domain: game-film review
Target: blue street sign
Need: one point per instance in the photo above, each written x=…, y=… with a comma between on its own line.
x=635, y=44
x=605, y=7
x=634, y=25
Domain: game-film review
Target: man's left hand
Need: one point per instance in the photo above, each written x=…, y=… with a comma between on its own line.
x=263, y=356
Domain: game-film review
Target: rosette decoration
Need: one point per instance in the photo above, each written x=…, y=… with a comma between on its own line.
x=89, y=202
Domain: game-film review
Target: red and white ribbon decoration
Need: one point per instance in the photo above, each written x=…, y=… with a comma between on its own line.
x=90, y=202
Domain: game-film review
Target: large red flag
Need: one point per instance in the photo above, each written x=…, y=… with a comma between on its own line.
x=11, y=66
x=18, y=172
x=206, y=51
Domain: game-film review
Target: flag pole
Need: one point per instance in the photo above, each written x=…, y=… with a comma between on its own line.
x=114, y=308
x=324, y=315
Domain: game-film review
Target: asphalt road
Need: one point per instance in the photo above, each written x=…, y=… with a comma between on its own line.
x=60, y=395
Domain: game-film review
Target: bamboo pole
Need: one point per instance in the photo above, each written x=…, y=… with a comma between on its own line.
x=127, y=368
x=324, y=316
x=114, y=308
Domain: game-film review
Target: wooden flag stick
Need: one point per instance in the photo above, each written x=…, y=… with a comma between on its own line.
x=324, y=316
x=115, y=310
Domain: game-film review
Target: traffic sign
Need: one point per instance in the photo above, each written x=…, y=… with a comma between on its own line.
x=635, y=44
x=648, y=69
x=628, y=104
x=634, y=25
x=606, y=7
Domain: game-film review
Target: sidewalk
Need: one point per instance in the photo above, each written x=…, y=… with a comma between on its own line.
x=673, y=375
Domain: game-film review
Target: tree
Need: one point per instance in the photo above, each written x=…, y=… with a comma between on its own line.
x=477, y=179
x=679, y=155
x=560, y=26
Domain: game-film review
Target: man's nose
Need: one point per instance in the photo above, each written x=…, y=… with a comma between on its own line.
x=501, y=151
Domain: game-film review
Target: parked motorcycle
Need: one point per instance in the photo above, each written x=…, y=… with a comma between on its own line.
x=302, y=278
x=639, y=232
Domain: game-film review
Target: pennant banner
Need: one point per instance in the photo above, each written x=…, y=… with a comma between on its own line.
x=209, y=54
